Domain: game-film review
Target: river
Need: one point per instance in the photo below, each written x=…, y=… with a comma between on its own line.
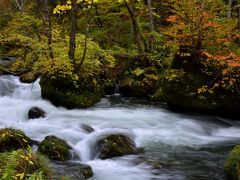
x=188, y=146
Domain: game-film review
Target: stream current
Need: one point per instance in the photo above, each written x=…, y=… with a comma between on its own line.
x=188, y=146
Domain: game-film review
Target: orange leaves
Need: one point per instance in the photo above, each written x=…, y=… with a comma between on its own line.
x=172, y=18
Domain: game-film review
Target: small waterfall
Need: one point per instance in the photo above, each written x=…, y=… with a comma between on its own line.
x=7, y=86
x=117, y=91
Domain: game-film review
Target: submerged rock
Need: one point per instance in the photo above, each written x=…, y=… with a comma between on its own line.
x=232, y=163
x=75, y=171
x=87, y=128
x=55, y=148
x=115, y=145
x=36, y=112
x=13, y=139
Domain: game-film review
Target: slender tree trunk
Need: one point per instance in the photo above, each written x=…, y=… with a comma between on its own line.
x=86, y=36
x=239, y=15
x=73, y=31
x=98, y=19
x=230, y=8
x=136, y=29
x=151, y=39
x=47, y=23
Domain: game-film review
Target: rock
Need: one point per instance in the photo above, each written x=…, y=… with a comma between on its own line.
x=75, y=171
x=55, y=148
x=29, y=77
x=36, y=112
x=115, y=145
x=87, y=128
x=231, y=167
x=62, y=92
x=13, y=139
x=181, y=97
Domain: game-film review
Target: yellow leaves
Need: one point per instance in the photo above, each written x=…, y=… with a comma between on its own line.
x=138, y=71
x=60, y=9
x=205, y=89
x=20, y=176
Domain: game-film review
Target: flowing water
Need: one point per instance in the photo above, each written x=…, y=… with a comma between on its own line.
x=186, y=146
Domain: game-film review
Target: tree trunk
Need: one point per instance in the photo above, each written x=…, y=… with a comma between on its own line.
x=230, y=8
x=136, y=29
x=47, y=24
x=151, y=39
x=73, y=31
x=238, y=15
x=86, y=36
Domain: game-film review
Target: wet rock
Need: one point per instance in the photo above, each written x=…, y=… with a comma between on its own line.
x=13, y=139
x=36, y=112
x=115, y=145
x=55, y=148
x=87, y=128
x=232, y=168
x=75, y=171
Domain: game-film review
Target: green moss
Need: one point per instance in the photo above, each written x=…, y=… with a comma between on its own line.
x=55, y=148
x=115, y=145
x=68, y=96
x=29, y=77
x=12, y=139
x=232, y=165
x=180, y=90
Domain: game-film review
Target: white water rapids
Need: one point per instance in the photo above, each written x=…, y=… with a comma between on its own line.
x=180, y=141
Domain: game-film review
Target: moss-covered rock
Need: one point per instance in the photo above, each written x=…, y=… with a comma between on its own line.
x=29, y=77
x=181, y=91
x=115, y=145
x=232, y=164
x=12, y=139
x=55, y=148
x=63, y=93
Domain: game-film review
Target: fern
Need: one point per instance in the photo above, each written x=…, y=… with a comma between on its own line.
x=9, y=169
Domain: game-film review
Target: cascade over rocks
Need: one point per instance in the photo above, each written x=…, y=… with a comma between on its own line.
x=55, y=148
x=115, y=145
x=13, y=139
x=36, y=112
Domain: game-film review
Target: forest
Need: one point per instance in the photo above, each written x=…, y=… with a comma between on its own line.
x=72, y=54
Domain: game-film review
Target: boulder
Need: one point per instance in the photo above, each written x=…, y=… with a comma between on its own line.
x=180, y=91
x=13, y=139
x=115, y=145
x=62, y=92
x=55, y=148
x=75, y=171
x=232, y=168
x=36, y=112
